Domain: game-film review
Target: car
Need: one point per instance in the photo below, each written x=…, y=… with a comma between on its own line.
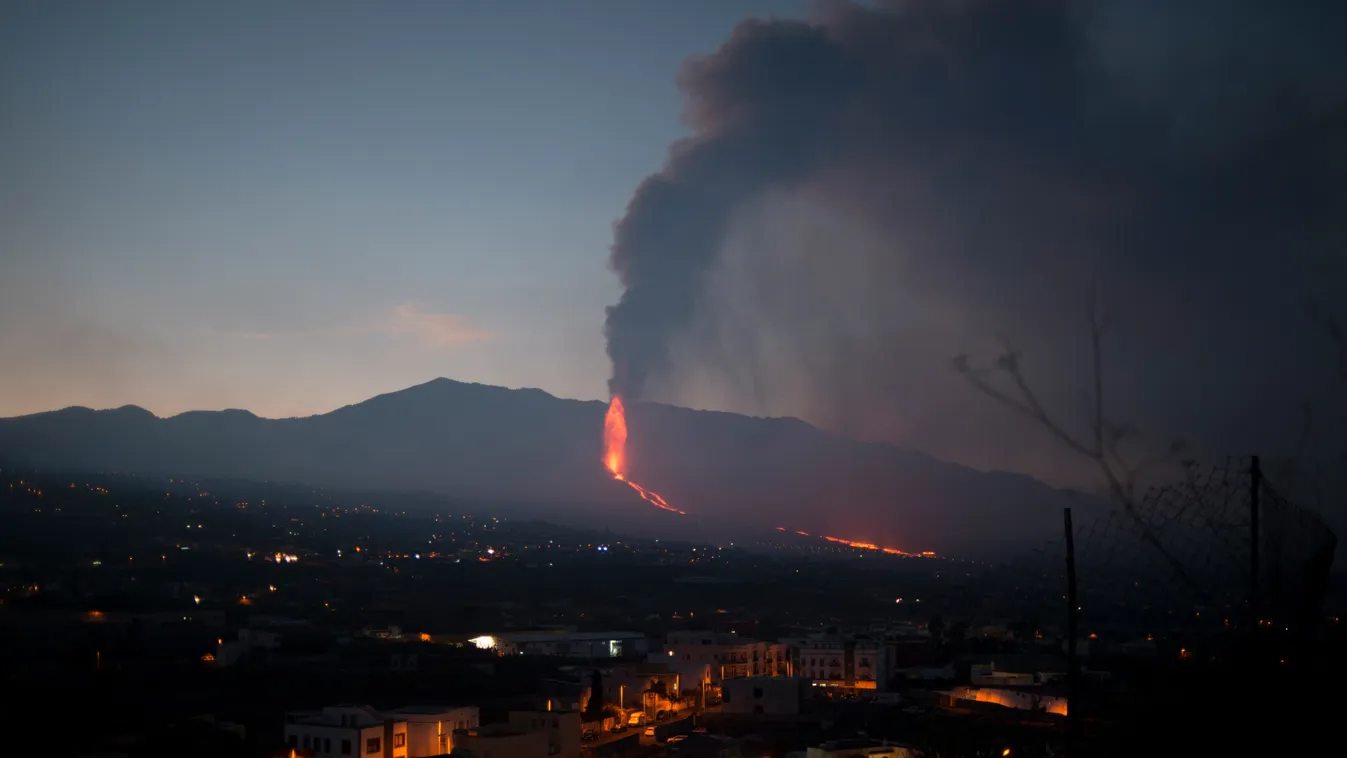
x=618, y=728
x=649, y=731
x=637, y=719
x=589, y=735
x=661, y=715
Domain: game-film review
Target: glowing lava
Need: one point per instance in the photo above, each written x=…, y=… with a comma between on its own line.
x=615, y=454
x=866, y=545
x=615, y=437
x=615, y=460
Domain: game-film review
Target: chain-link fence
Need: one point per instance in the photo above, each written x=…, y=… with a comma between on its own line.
x=1178, y=561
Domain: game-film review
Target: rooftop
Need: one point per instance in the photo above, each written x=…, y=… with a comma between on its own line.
x=338, y=715
x=426, y=710
x=858, y=743
x=567, y=636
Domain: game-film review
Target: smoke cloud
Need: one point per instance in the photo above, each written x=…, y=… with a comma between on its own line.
x=872, y=191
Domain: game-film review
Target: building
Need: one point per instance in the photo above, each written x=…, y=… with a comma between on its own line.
x=528, y=734
x=430, y=729
x=590, y=646
x=854, y=748
x=765, y=696
x=562, y=729
x=986, y=675
x=655, y=684
x=833, y=661
x=729, y=655
x=346, y=730
x=1015, y=670
x=499, y=741
x=1024, y=700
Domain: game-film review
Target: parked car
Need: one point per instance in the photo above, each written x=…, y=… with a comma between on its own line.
x=650, y=731
x=618, y=728
x=589, y=735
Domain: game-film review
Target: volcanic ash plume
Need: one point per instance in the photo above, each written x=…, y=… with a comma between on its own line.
x=868, y=193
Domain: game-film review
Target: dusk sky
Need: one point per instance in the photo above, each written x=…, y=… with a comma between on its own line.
x=287, y=207
x=790, y=208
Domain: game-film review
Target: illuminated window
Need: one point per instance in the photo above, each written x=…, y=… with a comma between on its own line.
x=399, y=739
x=372, y=746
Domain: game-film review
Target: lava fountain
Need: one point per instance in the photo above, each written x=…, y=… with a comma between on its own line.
x=615, y=454
x=615, y=460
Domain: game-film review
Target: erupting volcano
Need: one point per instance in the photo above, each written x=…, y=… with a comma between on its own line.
x=615, y=454
x=615, y=459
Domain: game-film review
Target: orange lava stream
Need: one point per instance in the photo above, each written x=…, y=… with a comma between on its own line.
x=615, y=459
x=615, y=454
x=867, y=545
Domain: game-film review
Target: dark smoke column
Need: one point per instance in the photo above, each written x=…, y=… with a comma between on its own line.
x=758, y=107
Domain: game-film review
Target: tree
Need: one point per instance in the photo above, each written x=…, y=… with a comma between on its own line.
x=1003, y=380
x=594, y=707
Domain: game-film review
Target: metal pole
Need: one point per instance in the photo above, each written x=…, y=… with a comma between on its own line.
x=1255, y=486
x=1072, y=634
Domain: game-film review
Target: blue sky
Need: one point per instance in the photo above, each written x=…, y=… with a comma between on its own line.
x=291, y=206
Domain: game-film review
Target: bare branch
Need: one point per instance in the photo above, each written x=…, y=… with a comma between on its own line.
x=1332, y=329
x=1104, y=444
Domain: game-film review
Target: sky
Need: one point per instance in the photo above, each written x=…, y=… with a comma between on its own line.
x=291, y=206
x=781, y=208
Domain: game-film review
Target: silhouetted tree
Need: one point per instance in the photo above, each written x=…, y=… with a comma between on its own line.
x=1003, y=380
x=594, y=708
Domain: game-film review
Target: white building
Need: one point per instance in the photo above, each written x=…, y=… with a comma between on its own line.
x=839, y=662
x=729, y=655
x=764, y=696
x=430, y=729
x=346, y=730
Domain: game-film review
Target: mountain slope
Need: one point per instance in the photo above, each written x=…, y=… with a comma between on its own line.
x=524, y=447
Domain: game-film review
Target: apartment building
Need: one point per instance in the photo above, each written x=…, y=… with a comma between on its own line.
x=430, y=729
x=728, y=655
x=346, y=731
x=835, y=661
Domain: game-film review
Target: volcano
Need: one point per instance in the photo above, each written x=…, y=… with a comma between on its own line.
x=525, y=451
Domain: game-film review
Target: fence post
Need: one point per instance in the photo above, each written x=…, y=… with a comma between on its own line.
x=1072, y=634
x=1255, y=486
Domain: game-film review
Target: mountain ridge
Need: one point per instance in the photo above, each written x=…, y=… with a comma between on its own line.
x=485, y=443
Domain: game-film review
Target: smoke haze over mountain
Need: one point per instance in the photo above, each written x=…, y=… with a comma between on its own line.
x=873, y=191
x=524, y=452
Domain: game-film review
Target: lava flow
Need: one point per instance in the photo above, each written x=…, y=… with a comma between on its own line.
x=615, y=454
x=615, y=459
x=864, y=545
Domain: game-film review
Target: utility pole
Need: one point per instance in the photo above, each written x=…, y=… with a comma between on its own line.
x=1255, y=486
x=1072, y=634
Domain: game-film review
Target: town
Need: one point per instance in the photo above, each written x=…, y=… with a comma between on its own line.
x=240, y=618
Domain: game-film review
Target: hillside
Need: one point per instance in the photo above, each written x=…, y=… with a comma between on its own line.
x=527, y=450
